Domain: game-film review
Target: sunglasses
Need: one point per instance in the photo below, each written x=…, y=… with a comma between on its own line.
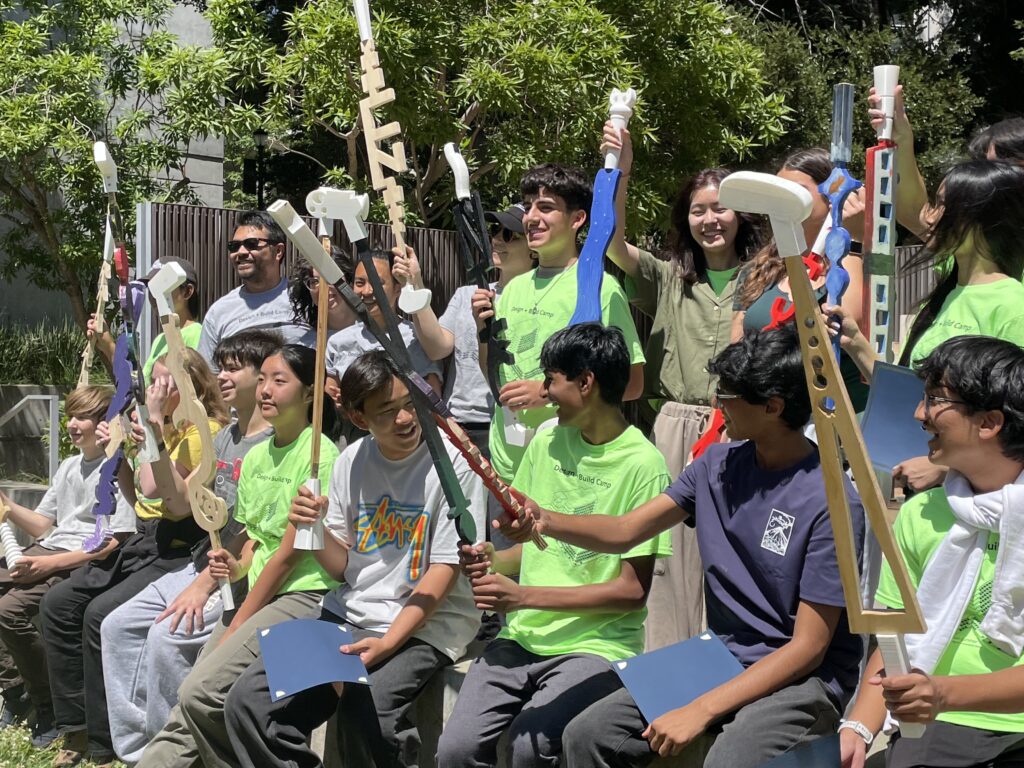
x=250, y=244
x=506, y=234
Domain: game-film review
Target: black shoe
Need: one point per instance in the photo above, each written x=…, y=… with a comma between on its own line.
x=44, y=733
x=17, y=705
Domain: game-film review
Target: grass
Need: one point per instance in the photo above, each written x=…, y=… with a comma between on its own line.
x=44, y=354
x=17, y=752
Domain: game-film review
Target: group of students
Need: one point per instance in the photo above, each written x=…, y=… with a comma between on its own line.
x=133, y=655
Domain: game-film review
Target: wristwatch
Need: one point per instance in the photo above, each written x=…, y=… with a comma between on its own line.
x=859, y=728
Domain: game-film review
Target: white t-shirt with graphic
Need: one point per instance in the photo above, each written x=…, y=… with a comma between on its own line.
x=394, y=516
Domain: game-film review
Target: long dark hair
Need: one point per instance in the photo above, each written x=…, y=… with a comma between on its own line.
x=302, y=361
x=683, y=250
x=983, y=198
x=767, y=268
x=303, y=308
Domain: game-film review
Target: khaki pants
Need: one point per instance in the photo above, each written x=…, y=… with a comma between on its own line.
x=675, y=606
x=195, y=734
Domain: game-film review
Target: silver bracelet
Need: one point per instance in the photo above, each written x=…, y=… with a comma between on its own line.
x=859, y=728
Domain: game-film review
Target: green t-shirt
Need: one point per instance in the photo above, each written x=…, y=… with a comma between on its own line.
x=719, y=278
x=921, y=526
x=991, y=309
x=691, y=325
x=535, y=307
x=561, y=471
x=269, y=480
x=189, y=334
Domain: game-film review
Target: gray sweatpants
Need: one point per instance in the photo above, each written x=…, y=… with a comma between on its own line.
x=144, y=663
x=195, y=734
x=607, y=734
x=375, y=727
x=533, y=696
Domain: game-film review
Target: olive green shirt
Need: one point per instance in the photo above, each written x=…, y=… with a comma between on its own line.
x=691, y=325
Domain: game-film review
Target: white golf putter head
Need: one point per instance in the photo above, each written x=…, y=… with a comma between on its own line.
x=887, y=77
x=342, y=205
x=620, y=109
x=108, y=168
x=785, y=203
x=459, y=169
x=163, y=284
x=362, y=9
x=305, y=241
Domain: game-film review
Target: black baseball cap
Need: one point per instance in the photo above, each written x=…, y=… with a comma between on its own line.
x=511, y=218
x=190, y=271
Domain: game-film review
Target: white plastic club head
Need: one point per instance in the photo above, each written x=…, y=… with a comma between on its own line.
x=460, y=170
x=342, y=205
x=784, y=202
x=304, y=240
x=887, y=77
x=163, y=284
x=620, y=109
x=362, y=9
x=108, y=168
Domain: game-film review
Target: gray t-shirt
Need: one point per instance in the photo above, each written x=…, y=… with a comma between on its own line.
x=465, y=389
x=349, y=343
x=241, y=310
x=395, y=517
x=69, y=502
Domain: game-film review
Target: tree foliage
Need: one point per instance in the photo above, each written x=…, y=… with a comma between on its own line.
x=71, y=73
x=515, y=83
x=940, y=102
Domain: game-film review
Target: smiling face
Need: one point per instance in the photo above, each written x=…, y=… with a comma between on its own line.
x=567, y=395
x=282, y=397
x=550, y=227
x=238, y=384
x=362, y=286
x=955, y=431
x=82, y=431
x=389, y=416
x=339, y=314
x=511, y=255
x=819, y=207
x=713, y=226
x=260, y=264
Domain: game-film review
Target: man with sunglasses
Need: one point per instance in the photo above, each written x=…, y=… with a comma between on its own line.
x=771, y=578
x=256, y=251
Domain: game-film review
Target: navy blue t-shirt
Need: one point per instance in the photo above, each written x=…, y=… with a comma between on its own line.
x=766, y=542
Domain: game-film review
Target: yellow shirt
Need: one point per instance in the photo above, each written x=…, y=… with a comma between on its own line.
x=184, y=448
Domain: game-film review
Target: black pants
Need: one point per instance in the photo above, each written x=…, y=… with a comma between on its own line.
x=72, y=612
x=948, y=745
x=374, y=725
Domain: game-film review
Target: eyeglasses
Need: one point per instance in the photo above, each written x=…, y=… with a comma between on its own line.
x=930, y=400
x=507, y=235
x=250, y=243
x=721, y=396
x=313, y=283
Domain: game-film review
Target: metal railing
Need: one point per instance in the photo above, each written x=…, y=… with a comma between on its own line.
x=54, y=426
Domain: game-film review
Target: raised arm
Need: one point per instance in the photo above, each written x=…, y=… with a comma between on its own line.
x=625, y=256
x=435, y=340
x=911, y=194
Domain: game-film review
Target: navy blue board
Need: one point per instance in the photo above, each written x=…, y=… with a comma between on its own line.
x=304, y=653
x=891, y=433
x=674, y=676
x=820, y=753
x=590, y=269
